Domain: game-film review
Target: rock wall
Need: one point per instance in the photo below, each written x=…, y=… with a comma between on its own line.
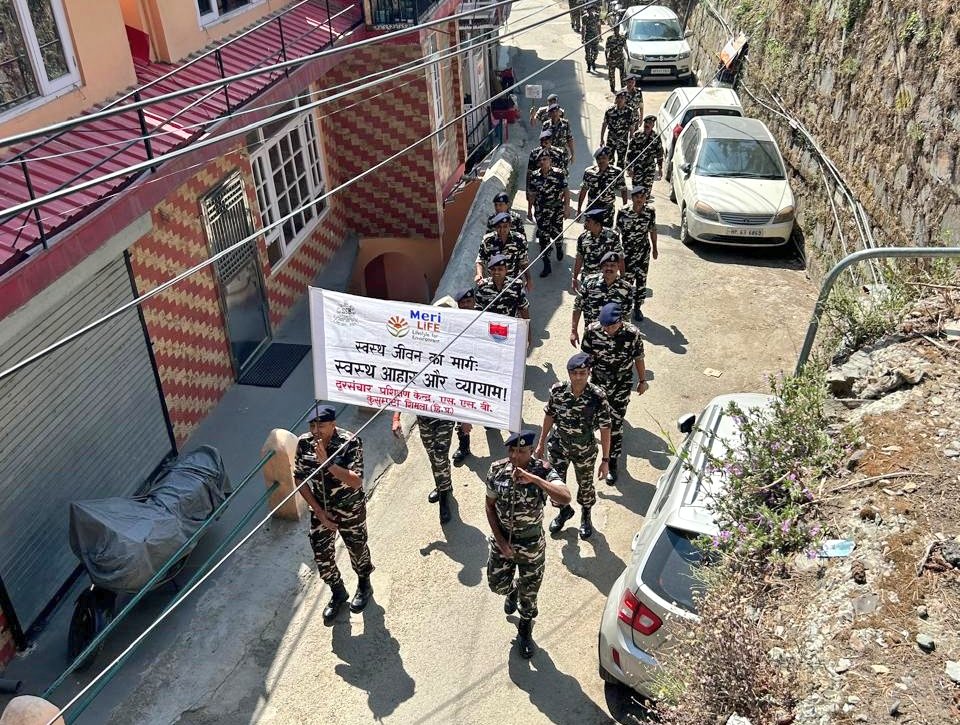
x=877, y=82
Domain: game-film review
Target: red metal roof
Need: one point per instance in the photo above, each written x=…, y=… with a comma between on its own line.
x=98, y=147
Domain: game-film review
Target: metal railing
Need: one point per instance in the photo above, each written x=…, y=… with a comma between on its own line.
x=385, y=14
x=142, y=129
x=490, y=141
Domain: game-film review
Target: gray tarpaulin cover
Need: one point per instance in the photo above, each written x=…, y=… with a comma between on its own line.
x=123, y=542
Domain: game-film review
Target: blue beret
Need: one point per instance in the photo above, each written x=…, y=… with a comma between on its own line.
x=596, y=214
x=324, y=414
x=501, y=217
x=546, y=134
x=523, y=438
x=640, y=190
x=501, y=198
x=464, y=294
x=651, y=118
x=621, y=92
x=497, y=259
x=609, y=314
x=580, y=360
x=602, y=151
x=609, y=257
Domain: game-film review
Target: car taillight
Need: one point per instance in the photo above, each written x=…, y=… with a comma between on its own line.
x=676, y=130
x=637, y=615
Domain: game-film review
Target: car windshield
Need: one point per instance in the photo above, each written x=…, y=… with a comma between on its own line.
x=671, y=566
x=668, y=29
x=740, y=157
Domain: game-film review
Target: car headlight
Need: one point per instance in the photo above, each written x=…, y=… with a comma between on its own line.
x=635, y=56
x=684, y=55
x=784, y=215
x=706, y=211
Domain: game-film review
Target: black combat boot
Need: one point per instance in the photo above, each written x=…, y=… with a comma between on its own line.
x=586, y=526
x=565, y=514
x=510, y=603
x=364, y=592
x=637, y=314
x=433, y=496
x=547, y=269
x=525, y=638
x=340, y=596
x=559, y=250
x=463, y=451
x=611, y=478
x=445, y=497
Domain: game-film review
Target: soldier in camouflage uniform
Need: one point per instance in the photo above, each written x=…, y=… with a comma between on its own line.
x=546, y=148
x=503, y=240
x=601, y=182
x=638, y=233
x=436, y=436
x=574, y=411
x=562, y=135
x=591, y=246
x=614, y=52
x=549, y=197
x=645, y=155
x=590, y=35
x=599, y=289
x=517, y=489
x=541, y=113
x=619, y=123
x=337, y=504
x=575, y=13
x=513, y=302
x=501, y=205
x=634, y=95
x=616, y=348
x=465, y=300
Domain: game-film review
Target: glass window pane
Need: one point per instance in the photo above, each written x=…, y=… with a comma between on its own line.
x=48, y=37
x=671, y=568
x=17, y=81
x=205, y=7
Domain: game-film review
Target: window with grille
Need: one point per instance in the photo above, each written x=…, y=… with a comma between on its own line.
x=35, y=55
x=212, y=10
x=289, y=179
x=437, y=89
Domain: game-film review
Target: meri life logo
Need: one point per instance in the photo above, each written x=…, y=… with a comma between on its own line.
x=398, y=326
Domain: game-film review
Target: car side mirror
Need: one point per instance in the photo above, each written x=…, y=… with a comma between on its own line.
x=686, y=422
x=687, y=34
x=685, y=168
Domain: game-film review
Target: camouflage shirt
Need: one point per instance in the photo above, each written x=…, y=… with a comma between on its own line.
x=515, y=248
x=613, y=357
x=330, y=491
x=634, y=231
x=602, y=186
x=577, y=417
x=635, y=99
x=561, y=132
x=557, y=158
x=594, y=293
x=590, y=28
x=516, y=224
x=614, y=48
x=513, y=299
x=547, y=190
x=592, y=248
x=620, y=121
x=519, y=506
x=645, y=151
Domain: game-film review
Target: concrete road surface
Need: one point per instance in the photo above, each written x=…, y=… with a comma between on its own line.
x=434, y=645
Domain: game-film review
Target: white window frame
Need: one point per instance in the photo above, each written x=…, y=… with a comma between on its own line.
x=214, y=15
x=436, y=82
x=46, y=89
x=304, y=128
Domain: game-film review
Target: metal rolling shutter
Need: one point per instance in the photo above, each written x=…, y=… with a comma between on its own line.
x=84, y=422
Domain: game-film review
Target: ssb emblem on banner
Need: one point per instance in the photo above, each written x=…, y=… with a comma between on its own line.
x=499, y=332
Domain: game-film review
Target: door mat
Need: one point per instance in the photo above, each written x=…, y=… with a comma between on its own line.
x=274, y=366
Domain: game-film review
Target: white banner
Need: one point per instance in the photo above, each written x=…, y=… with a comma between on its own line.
x=366, y=351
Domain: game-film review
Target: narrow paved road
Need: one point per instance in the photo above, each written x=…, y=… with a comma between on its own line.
x=434, y=646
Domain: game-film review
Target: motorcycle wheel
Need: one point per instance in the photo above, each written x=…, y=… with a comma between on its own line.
x=91, y=614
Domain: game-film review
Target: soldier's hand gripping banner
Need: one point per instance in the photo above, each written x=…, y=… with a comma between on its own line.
x=433, y=361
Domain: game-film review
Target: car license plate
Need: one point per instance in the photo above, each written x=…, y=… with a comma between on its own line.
x=737, y=232
x=661, y=71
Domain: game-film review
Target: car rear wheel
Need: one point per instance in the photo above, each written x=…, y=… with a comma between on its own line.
x=685, y=237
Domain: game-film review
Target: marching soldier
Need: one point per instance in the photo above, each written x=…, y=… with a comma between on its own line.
x=575, y=12
x=501, y=205
x=518, y=486
x=645, y=155
x=465, y=300
x=549, y=197
x=600, y=289
x=539, y=115
x=337, y=505
x=614, y=52
x=634, y=95
x=619, y=123
x=592, y=245
x=638, y=233
x=562, y=135
x=499, y=294
x=616, y=348
x=546, y=148
x=590, y=35
x=573, y=412
x=600, y=184
x=503, y=240
x=436, y=435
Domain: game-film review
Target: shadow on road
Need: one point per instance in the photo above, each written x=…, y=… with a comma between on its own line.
x=601, y=569
x=540, y=379
x=556, y=694
x=465, y=545
x=626, y=706
x=372, y=662
x=786, y=257
x=640, y=442
x=669, y=337
x=634, y=495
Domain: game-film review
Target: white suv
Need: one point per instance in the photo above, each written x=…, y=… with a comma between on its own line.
x=656, y=592
x=656, y=44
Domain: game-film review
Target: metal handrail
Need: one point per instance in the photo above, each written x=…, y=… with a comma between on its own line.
x=482, y=148
x=834, y=274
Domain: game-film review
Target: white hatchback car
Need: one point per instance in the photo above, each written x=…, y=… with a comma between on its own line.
x=687, y=103
x=656, y=44
x=730, y=181
x=656, y=592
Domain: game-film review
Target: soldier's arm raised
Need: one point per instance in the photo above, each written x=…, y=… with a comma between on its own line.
x=555, y=489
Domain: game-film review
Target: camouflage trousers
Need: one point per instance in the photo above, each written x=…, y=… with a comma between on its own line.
x=618, y=392
x=582, y=458
x=527, y=562
x=636, y=272
x=619, y=146
x=436, y=440
x=550, y=226
x=644, y=174
x=592, y=50
x=352, y=527
x=613, y=66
